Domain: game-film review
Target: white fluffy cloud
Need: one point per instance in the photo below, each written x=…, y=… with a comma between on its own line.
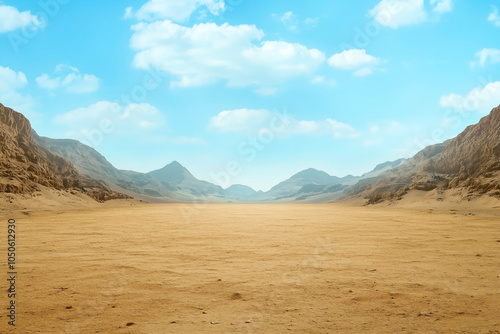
x=396, y=13
x=328, y=126
x=486, y=56
x=10, y=83
x=173, y=9
x=11, y=19
x=480, y=99
x=494, y=17
x=90, y=123
x=354, y=59
x=70, y=79
x=240, y=120
x=442, y=6
x=207, y=53
x=253, y=121
x=11, y=80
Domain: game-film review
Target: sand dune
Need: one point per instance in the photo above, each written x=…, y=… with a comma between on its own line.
x=246, y=268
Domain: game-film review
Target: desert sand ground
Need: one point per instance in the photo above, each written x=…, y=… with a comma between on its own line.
x=256, y=268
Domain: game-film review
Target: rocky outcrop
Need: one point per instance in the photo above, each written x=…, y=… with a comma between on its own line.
x=470, y=162
x=472, y=159
x=25, y=167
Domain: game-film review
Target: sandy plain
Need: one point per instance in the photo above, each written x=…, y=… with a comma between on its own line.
x=256, y=268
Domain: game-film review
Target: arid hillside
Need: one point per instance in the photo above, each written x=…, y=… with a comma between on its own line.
x=470, y=163
x=25, y=167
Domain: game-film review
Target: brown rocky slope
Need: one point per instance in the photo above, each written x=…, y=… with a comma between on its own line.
x=25, y=167
x=470, y=162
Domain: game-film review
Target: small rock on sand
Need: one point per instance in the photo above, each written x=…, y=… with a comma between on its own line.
x=236, y=296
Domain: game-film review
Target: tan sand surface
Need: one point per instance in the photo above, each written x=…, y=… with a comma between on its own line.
x=256, y=268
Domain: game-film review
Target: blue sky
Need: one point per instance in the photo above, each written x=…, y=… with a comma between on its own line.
x=251, y=92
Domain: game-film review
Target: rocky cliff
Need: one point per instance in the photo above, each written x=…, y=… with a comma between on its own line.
x=468, y=162
x=25, y=167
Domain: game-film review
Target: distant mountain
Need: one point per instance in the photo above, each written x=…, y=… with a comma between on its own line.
x=316, y=186
x=185, y=186
x=173, y=173
x=306, y=184
x=242, y=193
x=312, y=176
x=470, y=162
x=172, y=182
x=305, y=177
x=26, y=167
x=94, y=166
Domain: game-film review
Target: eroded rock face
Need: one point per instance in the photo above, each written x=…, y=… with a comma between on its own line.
x=469, y=161
x=472, y=157
x=24, y=166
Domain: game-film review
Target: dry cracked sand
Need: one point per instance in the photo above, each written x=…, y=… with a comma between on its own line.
x=256, y=268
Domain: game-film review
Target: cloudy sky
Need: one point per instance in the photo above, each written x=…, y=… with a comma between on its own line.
x=251, y=91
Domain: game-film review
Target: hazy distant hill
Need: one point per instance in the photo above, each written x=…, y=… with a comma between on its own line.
x=25, y=166
x=178, y=179
x=305, y=182
x=316, y=186
x=172, y=182
x=94, y=166
x=470, y=161
x=239, y=192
